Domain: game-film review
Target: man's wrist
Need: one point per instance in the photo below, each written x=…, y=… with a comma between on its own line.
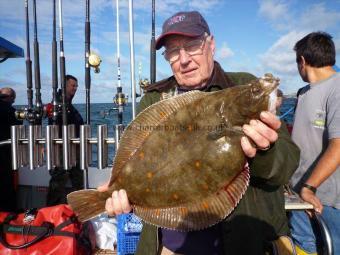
x=310, y=187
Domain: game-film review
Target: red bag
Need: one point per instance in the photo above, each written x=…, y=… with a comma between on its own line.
x=54, y=230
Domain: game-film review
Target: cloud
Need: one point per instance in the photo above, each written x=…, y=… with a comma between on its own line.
x=224, y=52
x=322, y=18
x=273, y=9
x=280, y=57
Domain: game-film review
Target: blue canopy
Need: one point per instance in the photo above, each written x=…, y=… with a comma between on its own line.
x=9, y=50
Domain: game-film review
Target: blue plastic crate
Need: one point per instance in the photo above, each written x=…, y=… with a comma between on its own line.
x=128, y=232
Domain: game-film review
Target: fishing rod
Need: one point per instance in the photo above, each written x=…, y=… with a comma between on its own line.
x=120, y=97
x=28, y=67
x=132, y=60
x=65, y=134
x=87, y=64
x=54, y=69
x=152, y=47
x=37, y=81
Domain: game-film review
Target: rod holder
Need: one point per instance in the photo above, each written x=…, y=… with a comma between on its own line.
x=52, y=149
x=72, y=146
x=85, y=147
x=31, y=143
x=66, y=148
x=15, y=130
x=23, y=149
x=38, y=148
x=119, y=129
x=102, y=146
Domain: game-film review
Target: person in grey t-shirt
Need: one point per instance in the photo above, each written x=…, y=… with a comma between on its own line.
x=316, y=131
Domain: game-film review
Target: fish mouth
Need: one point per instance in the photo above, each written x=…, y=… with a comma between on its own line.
x=270, y=84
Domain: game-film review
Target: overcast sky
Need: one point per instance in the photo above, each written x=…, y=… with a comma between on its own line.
x=253, y=36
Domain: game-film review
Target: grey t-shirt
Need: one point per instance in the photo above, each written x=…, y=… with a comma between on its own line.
x=317, y=120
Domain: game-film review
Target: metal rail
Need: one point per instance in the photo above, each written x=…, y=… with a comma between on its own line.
x=30, y=147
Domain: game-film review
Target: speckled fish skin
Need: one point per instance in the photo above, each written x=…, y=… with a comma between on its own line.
x=191, y=153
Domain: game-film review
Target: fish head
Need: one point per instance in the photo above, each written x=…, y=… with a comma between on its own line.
x=259, y=95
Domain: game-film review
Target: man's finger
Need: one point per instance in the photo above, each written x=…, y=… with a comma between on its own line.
x=264, y=130
x=109, y=207
x=260, y=141
x=126, y=207
x=116, y=204
x=248, y=149
x=270, y=119
x=103, y=187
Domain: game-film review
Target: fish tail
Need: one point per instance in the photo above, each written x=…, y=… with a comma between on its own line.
x=87, y=203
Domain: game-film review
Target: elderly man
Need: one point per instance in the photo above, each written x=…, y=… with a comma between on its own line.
x=260, y=217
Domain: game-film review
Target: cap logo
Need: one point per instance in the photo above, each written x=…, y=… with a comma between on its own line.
x=176, y=19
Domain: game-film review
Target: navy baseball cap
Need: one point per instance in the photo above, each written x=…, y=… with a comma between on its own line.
x=190, y=24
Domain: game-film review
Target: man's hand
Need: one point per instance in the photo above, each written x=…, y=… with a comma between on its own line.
x=118, y=203
x=262, y=132
x=309, y=197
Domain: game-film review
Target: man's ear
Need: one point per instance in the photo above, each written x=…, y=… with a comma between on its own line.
x=212, y=45
x=302, y=61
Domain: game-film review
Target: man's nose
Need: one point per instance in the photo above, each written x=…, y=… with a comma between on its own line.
x=184, y=57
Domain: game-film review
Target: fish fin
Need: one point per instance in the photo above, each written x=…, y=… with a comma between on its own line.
x=136, y=132
x=202, y=214
x=87, y=203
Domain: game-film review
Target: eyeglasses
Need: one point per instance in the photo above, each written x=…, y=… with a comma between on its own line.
x=194, y=47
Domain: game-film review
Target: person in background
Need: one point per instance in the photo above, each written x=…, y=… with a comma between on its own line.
x=260, y=216
x=316, y=131
x=7, y=116
x=59, y=177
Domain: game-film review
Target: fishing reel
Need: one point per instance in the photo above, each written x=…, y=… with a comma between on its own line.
x=94, y=61
x=25, y=114
x=120, y=99
x=37, y=113
x=143, y=84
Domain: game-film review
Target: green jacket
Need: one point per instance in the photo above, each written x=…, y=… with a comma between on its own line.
x=260, y=216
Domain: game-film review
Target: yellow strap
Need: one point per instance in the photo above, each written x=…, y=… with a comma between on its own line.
x=300, y=251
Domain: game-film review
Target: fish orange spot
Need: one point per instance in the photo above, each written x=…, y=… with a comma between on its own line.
x=205, y=186
x=175, y=196
x=157, y=212
x=197, y=164
x=149, y=175
x=141, y=155
x=189, y=128
x=205, y=205
x=162, y=114
x=120, y=180
x=147, y=190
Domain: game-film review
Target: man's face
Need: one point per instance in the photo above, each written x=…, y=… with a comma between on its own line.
x=10, y=96
x=71, y=88
x=191, y=70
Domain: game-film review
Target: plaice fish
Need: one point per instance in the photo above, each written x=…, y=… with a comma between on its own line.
x=180, y=161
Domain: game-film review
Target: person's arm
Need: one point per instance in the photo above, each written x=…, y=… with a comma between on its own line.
x=325, y=167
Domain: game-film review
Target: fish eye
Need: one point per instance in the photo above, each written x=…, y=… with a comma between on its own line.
x=255, y=89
